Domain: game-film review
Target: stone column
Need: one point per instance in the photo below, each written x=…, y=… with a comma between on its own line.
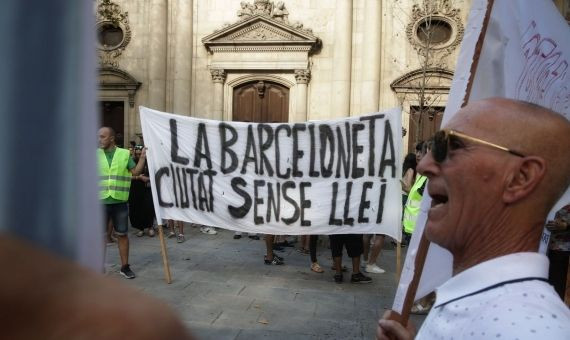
x=370, y=90
x=302, y=77
x=182, y=68
x=157, y=54
x=342, y=59
x=218, y=77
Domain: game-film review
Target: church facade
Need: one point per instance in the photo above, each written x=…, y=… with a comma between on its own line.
x=277, y=61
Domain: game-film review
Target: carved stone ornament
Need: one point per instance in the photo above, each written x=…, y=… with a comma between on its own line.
x=263, y=7
x=111, y=17
x=426, y=19
x=302, y=76
x=276, y=11
x=218, y=75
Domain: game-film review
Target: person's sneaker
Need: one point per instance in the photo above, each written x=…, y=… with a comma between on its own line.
x=338, y=278
x=276, y=260
x=208, y=230
x=180, y=238
x=151, y=232
x=171, y=234
x=127, y=272
x=140, y=233
x=254, y=237
x=360, y=278
x=237, y=237
x=374, y=269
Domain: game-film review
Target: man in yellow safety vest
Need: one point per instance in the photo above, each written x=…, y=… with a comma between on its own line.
x=116, y=167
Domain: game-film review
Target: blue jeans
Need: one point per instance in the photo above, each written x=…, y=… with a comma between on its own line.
x=119, y=215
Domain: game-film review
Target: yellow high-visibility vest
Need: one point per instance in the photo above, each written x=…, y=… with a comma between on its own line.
x=114, y=180
x=412, y=207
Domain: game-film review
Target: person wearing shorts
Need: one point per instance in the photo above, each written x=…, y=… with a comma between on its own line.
x=116, y=167
x=353, y=245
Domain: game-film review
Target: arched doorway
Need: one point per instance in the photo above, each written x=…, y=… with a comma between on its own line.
x=261, y=101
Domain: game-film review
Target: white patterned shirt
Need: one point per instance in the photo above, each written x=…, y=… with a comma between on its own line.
x=503, y=298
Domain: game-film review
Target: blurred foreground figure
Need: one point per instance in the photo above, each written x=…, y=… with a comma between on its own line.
x=48, y=105
x=54, y=298
x=494, y=172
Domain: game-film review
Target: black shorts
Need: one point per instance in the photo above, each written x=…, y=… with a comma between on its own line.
x=352, y=242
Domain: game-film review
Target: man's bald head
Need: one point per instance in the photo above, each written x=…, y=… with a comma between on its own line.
x=530, y=129
x=106, y=138
x=487, y=202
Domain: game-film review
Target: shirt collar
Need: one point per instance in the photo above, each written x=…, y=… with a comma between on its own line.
x=492, y=272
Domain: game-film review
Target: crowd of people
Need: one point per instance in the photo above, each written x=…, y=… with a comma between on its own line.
x=364, y=250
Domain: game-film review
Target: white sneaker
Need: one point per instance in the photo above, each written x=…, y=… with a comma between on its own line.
x=374, y=269
x=208, y=230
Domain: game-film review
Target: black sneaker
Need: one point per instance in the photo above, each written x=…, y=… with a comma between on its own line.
x=338, y=278
x=127, y=272
x=254, y=237
x=237, y=237
x=360, y=278
x=276, y=260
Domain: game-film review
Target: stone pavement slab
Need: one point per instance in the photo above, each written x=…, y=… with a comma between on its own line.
x=222, y=289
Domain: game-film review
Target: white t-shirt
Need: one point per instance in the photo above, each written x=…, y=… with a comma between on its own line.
x=503, y=298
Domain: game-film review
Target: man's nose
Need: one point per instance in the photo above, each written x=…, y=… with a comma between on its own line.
x=428, y=166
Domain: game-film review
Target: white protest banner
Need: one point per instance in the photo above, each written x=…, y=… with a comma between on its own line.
x=525, y=56
x=326, y=177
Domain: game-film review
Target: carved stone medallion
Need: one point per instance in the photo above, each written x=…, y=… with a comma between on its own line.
x=435, y=30
x=113, y=32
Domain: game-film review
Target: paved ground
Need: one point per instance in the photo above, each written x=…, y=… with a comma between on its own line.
x=222, y=289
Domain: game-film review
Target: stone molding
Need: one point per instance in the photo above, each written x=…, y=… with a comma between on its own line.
x=114, y=79
x=260, y=33
x=260, y=43
x=218, y=75
x=302, y=76
x=109, y=12
x=438, y=81
x=437, y=10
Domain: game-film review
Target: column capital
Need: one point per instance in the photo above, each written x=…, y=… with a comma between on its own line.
x=218, y=75
x=302, y=76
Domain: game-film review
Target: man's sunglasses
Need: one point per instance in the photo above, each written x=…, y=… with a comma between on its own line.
x=446, y=139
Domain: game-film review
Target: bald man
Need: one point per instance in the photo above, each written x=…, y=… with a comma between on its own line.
x=116, y=167
x=494, y=173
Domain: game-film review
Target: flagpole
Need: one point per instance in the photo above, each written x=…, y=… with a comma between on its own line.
x=424, y=244
x=477, y=53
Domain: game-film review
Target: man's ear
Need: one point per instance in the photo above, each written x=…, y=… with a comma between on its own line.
x=526, y=176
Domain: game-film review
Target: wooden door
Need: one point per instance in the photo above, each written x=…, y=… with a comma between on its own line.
x=431, y=122
x=261, y=102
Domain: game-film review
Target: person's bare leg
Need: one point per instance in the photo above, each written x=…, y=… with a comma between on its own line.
x=337, y=261
x=124, y=249
x=180, y=227
x=376, y=249
x=110, y=232
x=356, y=265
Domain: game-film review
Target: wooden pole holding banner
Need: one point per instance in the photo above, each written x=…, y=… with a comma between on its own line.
x=423, y=246
x=164, y=254
x=398, y=260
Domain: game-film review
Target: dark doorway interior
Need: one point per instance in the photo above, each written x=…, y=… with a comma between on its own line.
x=113, y=115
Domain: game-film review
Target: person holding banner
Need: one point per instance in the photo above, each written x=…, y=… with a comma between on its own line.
x=116, y=167
x=494, y=173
